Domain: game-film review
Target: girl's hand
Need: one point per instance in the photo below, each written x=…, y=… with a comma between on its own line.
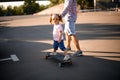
x=59, y=40
x=60, y=37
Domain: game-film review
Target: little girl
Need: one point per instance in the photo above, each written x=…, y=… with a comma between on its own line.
x=58, y=34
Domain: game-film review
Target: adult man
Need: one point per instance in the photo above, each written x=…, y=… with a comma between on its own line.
x=70, y=14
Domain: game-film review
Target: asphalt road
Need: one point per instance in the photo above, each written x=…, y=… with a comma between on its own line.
x=99, y=42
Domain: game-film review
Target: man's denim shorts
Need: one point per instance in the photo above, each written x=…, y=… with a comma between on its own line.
x=70, y=27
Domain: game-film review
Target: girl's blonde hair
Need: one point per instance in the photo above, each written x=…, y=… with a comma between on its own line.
x=59, y=16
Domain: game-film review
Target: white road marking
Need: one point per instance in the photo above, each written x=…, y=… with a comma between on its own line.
x=12, y=57
x=5, y=59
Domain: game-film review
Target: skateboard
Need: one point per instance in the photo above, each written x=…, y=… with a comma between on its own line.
x=59, y=58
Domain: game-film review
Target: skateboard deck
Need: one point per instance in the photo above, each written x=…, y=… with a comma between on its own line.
x=59, y=58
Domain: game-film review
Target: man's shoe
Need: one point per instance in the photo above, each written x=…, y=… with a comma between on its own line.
x=78, y=53
x=68, y=49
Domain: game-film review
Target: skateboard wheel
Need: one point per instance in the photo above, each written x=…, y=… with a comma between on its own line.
x=70, y=63
x=60, y=64
x=48, y=54
x=46, y=57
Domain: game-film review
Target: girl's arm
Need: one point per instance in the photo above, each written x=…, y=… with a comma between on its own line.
x=60, y=38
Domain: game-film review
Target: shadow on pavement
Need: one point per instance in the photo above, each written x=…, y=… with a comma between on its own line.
x=24, y=42
x=34, y=34
x=27, y=33
x=98, y=31
x=83, y=68
x=44, y=32
x=101, y=52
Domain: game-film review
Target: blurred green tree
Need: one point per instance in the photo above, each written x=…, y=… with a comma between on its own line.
x=2, y=11
x=84, y=4
x=30, y=6
x=55, y=2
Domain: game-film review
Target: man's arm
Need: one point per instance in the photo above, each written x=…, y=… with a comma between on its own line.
x=66, y=7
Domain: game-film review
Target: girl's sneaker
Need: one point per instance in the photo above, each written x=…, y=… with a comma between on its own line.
x=67, y=57
x=53, y=53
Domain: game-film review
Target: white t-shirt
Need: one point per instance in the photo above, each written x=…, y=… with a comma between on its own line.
x=56, y=30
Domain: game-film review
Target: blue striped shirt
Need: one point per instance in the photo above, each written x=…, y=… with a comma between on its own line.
x=69, y=11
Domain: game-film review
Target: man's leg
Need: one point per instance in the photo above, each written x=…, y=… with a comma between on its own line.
x=76, y=43
x=68, y=40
